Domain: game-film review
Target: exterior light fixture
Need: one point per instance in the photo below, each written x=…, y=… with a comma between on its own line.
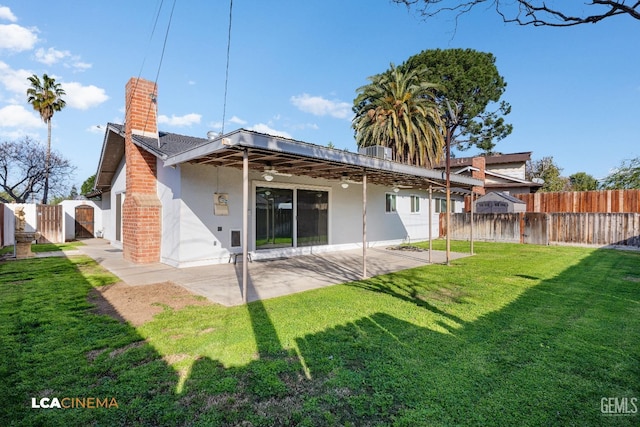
x=343, y=181
x=396, y=189
x=267, y=177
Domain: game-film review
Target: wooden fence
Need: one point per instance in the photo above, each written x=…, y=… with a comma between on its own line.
x=600, y=229
x=49, y=220
x=607, y=201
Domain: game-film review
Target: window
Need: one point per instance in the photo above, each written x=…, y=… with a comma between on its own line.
x=415, y=204
x=441, y=205
x=390, y=203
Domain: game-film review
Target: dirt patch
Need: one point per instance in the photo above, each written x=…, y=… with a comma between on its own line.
x=632, y=279
x=138, y=304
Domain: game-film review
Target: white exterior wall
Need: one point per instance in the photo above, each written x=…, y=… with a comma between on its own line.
x=10, y=220
x=118, y=186
x=169, y=186
x=69, y=213
x=192, y=235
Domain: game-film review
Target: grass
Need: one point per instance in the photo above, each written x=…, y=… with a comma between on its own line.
x=46, y=247
x=516, y=335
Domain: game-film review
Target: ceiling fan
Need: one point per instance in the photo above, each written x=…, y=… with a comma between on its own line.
x=269, y=172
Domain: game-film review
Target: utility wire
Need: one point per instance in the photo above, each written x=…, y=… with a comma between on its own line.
x=153, y=30
x=164, y=45
x=226, y=77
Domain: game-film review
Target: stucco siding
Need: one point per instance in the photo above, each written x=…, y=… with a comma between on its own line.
x=194, y=235
x=169, y=189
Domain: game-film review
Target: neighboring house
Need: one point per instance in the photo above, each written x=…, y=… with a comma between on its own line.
x=188, y=201
x=500, y=172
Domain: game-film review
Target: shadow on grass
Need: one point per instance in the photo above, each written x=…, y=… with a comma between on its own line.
x=547, y=358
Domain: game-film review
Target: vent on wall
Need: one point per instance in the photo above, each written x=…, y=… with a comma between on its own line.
x=378, y=151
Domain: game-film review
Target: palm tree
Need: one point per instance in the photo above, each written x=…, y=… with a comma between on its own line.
x=46, y=98
x=398, y=109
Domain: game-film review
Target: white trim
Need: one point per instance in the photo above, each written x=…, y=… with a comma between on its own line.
x=294, y=187
x=395, y=204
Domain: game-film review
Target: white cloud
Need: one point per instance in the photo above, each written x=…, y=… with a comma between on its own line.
x=83, y=97
x=16, y=38
x=7, y=15
x=186, y=120
x=14, y=81
x=320, y=106
x=18, y=117
x=262, y=128
x=215, y=125
x=51, y=55
x=95, y=129
x=237, y=120
x=80, y=66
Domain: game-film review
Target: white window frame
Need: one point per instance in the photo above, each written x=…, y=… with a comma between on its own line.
x=394, y=207
x=414, y=199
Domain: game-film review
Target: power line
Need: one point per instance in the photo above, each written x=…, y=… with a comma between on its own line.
x=226, y=77
x=153, y=30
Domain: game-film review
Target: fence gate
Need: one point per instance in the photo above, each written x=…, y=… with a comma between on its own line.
x=49, y=220
x=84, y=221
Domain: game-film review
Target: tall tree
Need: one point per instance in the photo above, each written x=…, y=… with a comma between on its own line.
x=46, y=98
x=626, y=176
x=582, y=181
x=469, y=81
x=538, y=13
x=23, y=169
x=87, y=185
x=398, y=109
x=546, y=170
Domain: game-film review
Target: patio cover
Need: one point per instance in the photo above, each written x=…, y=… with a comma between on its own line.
x=244, y=149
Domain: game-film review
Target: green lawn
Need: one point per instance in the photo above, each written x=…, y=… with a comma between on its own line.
x=46, y=247
x=516, y=335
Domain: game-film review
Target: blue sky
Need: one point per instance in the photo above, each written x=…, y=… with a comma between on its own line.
x=295, y=67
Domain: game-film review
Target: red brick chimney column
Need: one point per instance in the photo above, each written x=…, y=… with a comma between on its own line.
x=141, y=212
x=478, y=163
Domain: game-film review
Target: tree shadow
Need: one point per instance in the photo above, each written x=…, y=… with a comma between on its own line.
x=547, y=358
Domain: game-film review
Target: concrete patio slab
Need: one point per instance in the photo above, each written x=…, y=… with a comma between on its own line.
x=267, y=279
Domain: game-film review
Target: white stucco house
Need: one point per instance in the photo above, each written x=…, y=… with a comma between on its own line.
x=189, y=201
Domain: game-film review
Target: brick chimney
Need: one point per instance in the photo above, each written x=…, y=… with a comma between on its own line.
x=141, y=212
x=478, y=163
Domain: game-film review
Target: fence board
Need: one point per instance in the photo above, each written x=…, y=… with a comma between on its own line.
x=549, y=228
x=49, y=220
x=622, y=201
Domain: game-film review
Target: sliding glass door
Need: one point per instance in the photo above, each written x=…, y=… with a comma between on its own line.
x=313, y=209
x=274, y=218
x=280, y=211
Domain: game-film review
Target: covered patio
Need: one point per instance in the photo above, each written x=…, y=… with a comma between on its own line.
x=277, y=156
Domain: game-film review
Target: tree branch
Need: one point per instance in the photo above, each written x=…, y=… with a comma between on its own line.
x=535, y=13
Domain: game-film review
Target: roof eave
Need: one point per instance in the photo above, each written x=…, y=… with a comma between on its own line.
x=243, y=139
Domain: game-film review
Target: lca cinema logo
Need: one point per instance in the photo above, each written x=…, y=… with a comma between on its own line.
x=73, y=402
x=619, y=406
